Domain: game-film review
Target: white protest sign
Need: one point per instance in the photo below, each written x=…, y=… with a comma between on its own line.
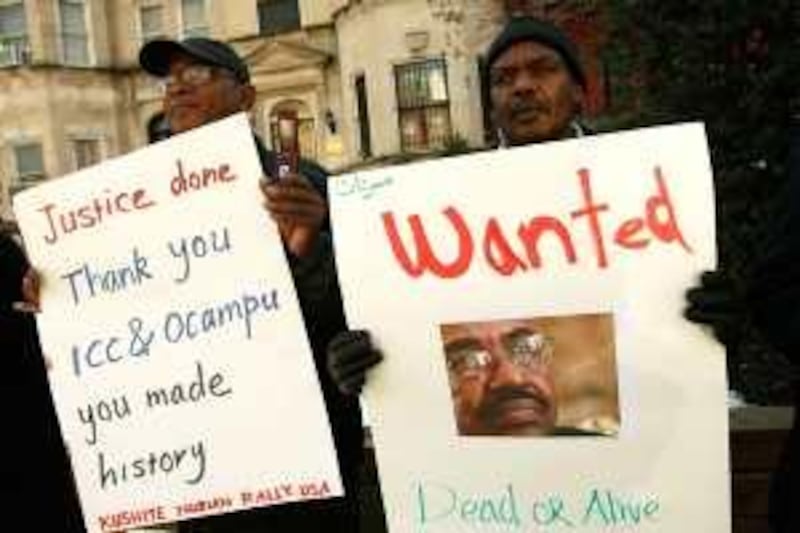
x=537, y=373
x=181, y=371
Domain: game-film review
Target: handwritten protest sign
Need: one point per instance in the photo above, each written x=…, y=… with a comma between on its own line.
x=537, y=373
x=181, y=371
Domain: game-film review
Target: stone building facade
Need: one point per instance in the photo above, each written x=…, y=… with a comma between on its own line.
x=368, y=78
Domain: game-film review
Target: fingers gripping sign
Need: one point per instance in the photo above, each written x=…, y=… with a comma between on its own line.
x=298, y=209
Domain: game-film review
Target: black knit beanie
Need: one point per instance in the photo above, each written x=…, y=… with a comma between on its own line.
x=525, y=28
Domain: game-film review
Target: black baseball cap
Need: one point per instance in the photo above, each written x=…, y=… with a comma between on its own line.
x=155, y=56
x=526, y=28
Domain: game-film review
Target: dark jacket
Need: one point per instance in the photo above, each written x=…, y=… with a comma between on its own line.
x=37, y=484
x=774, y=297
x=318, y=291
x=320, y=299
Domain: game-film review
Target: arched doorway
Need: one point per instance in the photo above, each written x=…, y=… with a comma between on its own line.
x=306, y=129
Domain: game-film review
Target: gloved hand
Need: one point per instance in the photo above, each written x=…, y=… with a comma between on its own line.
x=350, y=354
x=718, y=302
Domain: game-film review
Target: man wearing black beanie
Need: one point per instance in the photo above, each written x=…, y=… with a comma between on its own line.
x=536, y=85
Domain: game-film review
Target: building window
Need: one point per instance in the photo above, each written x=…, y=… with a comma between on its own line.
x=195, y=23
x=86, y=152
x=363, y=117
x=29, y=164
x=278, y=16
x=14, y=46
x=423, y=105
x=151, y=23
x=489, y=131
x=74, y=37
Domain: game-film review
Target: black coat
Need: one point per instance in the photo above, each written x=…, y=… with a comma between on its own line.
x=320, y=299
x=37, y=484
x=774, y=297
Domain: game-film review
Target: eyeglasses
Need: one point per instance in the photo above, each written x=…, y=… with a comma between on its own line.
x=523, y=349
x=192, y=76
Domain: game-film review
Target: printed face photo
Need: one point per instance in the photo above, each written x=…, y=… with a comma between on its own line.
x=542, y=376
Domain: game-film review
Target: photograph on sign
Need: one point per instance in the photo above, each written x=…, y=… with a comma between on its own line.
x=533, y=377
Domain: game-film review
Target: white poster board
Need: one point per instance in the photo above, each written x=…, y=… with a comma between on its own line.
x=564, y=262
x=181, y=371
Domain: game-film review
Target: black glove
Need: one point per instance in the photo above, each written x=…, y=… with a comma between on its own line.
x=350, y=355
x=718, y=302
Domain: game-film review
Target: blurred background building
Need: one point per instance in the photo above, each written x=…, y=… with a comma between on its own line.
x=371, y=80
x=382, y=81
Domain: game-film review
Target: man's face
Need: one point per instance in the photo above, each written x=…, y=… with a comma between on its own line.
x=197, y=94
x=500, y=378
x=533, y=96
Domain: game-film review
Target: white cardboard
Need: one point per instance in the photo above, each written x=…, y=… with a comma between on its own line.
x=667, y=463
x=263, y=439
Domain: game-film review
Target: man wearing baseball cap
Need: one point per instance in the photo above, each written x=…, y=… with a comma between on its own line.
x=206, y=80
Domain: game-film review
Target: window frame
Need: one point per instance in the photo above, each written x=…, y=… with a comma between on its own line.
x=192, y=32
x=161, y=34
x=62, y=35
x=285, y=26
x=363, y=118
x=22, y=180
x=74, y=141
x=423, y=109
x=18, y=43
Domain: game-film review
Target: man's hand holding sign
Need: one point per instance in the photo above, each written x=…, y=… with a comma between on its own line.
x=297, y=209
x=193, y=276
x=186, y=332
